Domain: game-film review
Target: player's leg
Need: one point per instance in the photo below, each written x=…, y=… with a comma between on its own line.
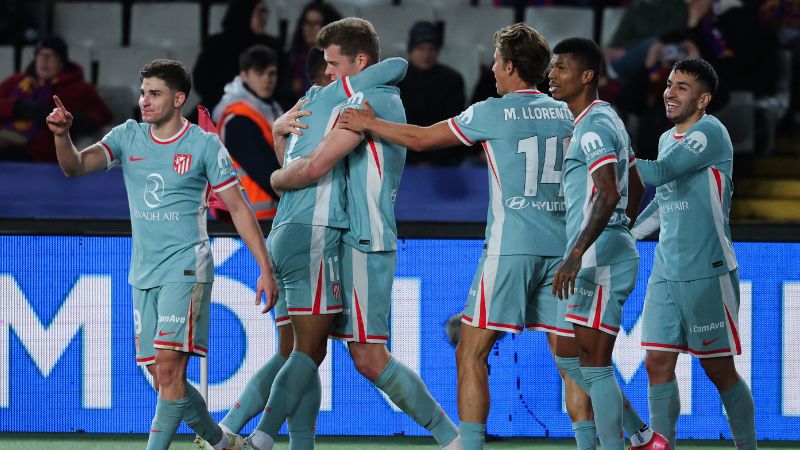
x=664, y=337
x=579, y=405
x=369, y=278
x=720, y=344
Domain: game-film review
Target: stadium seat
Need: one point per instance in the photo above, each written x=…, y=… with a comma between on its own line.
x=466, y=61
x=393, y=22
x=362, y=3
x=165, y=25
x=6, y=61
x=461, y=27
x=119, y=67
x=738, y=116
x=89, y=24
x=120, y=100
x=558, y=22
x=611, y=19
x=217, y=12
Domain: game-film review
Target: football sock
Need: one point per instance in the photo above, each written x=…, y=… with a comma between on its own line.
x=302, y=423
x=165, y=422
x=472, y=435
x=665, y=407
x=738, y=402
x=407, y=390
x=607, y=403
x=638, y=431
x=585, y=435
x=254, y=396
x=197, y=417
x=288, y=388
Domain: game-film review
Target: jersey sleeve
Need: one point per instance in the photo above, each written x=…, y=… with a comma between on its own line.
x=389, y=71
x=219, y=167
x=600, y=146
x=112, y=146
x=648, y=222
x=473, y=125
x=699, y=148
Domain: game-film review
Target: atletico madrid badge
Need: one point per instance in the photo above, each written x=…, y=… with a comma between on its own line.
x=182, y=163
x=337, y=290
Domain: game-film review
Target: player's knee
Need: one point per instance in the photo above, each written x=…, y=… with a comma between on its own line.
x=366, y=366
x=721, y=374
x=659, y=370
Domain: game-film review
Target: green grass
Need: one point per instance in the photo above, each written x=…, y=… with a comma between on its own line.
x=84, y=441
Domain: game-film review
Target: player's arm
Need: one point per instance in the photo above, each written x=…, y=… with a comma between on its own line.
x=388, y=71
x=288, y=123
x=635, y=193
x=413, y=137
x=247, y=226
x=680, y=159
x=73, y=162
x=605, y=198
x=310, y=168
x=649, y=221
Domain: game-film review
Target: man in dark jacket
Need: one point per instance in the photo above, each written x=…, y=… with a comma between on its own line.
x=27, y=98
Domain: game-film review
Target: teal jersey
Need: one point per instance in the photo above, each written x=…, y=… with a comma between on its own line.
x=524, y=135
x=599, y=139
x=693, y=179
x=168, y=183
x=374, y=168
x=323, y=203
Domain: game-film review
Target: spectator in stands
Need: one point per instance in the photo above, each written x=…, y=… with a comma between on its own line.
x=244, y=120
x=243, y=26
x=27, y=98
x=783, y=16
x=313, y=17
x=431, y=92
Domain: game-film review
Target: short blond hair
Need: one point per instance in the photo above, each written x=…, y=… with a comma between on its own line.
x=354, y=35
x=526, y=48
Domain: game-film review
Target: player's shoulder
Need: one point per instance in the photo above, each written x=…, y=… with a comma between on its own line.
x=204, y=140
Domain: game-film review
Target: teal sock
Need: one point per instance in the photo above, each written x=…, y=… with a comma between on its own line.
x=197, y=417
x=472, y=435
x=738, y=402
x=585, y=435
x=631, y=422
x=288, y=388
x=634, y=426
x=165, y=422
x=254, y=396
x=407, y=390
x=607, y=404
x=665, y=407
x=302, y=424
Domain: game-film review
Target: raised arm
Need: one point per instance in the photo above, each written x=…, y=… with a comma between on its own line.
x=413, y=137
x=307, y=170
x=247, y=226
x=73, y=162
x=683, y=157
x=605, y=198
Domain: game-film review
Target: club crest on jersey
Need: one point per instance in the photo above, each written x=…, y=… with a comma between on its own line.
x=336, y=289
x=182, y=163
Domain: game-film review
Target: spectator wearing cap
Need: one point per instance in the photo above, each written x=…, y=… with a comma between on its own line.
x=431, y=92
x=27, y=98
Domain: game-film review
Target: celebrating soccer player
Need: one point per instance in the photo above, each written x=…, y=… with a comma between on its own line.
x=169, y=166
x=692, y=300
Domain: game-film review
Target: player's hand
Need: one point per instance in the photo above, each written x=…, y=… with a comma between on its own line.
x=60, y=120
x=356, y=119
x=288, y=123
x=267, y=285
x=564, y=279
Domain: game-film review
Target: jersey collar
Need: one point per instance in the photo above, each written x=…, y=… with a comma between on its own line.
x=586, y=111
x=528, y=91
x=173, y=138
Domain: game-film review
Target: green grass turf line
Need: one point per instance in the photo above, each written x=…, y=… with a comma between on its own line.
x=91, y=441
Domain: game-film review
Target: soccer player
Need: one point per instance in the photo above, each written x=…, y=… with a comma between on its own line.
x=695, y=279
x=369, y=250
x=305, y=247
x=523, y=134
x=599, y=269
x=170, y=166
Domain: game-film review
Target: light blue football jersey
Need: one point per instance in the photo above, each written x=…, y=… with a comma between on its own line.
x=693, y=179
x=599, y=139
x=168, y=184
x=323, y=203
x=374, y=169
x=524, y=135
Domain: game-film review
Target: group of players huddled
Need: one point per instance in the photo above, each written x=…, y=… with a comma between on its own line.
x=564, y=265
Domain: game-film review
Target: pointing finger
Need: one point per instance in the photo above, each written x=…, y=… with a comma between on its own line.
x=59, y=105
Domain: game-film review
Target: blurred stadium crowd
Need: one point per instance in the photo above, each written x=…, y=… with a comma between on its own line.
x=753, y=44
